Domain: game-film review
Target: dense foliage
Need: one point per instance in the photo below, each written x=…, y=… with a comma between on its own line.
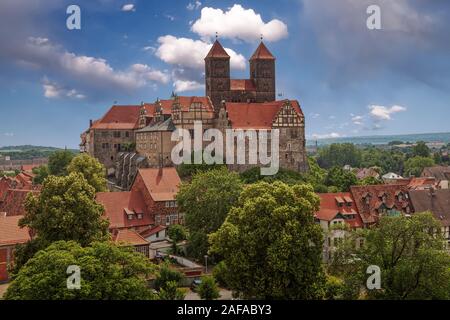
x=107, y=273
x=271, y=246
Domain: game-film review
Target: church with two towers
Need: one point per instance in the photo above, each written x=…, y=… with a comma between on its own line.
x=129, y=137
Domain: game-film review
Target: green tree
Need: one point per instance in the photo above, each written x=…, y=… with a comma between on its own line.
x=414, y=166
x=107, y=273
x=172, y=292
x=176, y=233
x=369, y=181
x=91, y=169
x=58, y=162
x=338, y=154
x=421, y=150
x=205, y=202
x=271, y=246
x=65, y=209
x=166, y=283
x=166, y=275
x=40, y=173
x=410, y=251
x=340, y=178
x=208, y=289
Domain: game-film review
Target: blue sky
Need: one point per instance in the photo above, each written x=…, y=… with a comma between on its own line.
x=350, y=80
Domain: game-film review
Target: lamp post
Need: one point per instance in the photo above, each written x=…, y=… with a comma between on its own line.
x=206, y=263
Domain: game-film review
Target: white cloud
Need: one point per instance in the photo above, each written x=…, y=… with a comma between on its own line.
x=52, y=91
x=315, y=115
x=128, y=7
x=379, y=113
x=8, y=134
x=190, y=53
x=186, y=85
x=326, y=135
x=170, y=17
x=194, y=5
x=90, y=73
x=358, y=120
x=238, y=23
x=149, y=48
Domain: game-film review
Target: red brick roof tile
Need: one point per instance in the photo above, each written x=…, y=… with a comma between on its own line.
x=217, y=51
x=162, y=183
x=129, y=236
x=10, y=232
x=119, y=118
x=262, y=53
x=329, y=208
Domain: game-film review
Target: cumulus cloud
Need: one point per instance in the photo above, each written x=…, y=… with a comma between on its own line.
x=52, y=91
x=90, y=73
x=238, y=23
x=186, y=85
x=128, y=7
x=379, y=113
x=191, y=53
x=414, y=30
x=194, y=5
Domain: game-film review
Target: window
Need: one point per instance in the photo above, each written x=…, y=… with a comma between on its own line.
x=130, y=216
x=158, y=219
x=127, y=134
x=140, y=216
x=116, y=134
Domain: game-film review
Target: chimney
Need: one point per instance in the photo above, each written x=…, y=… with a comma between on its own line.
x=90, y=123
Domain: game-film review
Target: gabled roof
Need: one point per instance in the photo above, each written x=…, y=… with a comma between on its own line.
x=368, y=211
x=329, y=208
x=166, y=125
x=119, y=118
x=217, y=51
x=151, y=231
x=436, y=201
x=116, y=203
x=438, y=172
x=262, y=53
x=129, y=236
x=256, y=115
x=162, y=183
x=10, y=232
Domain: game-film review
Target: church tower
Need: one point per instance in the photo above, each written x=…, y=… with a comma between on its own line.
x=217, y=74
x=262, y=72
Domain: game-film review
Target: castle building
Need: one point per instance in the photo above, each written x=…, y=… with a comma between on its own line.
x=130, y=137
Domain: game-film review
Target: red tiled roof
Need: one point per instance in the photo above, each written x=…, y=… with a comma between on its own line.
x=217, y=51
x=256, y=115
x=128, y=236
x=242, y=85
x=29, y=167
x=119, y=118
x=148, y=232
x=161, y=183
x=262, y=53
x=436, y=201
x=13, y=200
x=10, y=232
x=368, y=211
x=115, y=204
x=329, y=208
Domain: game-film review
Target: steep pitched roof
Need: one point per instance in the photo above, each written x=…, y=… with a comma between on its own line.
x=119, y=118
x=129, y=236
x=262, y=53
x=117, y=203
x=162, y=183
x=256, y=115
x=436, y=201
x=166, y=125
x=217, y=51
x=329, y=208
x=12, y=201
x=439, y=172
x=368, y=199
x=10, y=232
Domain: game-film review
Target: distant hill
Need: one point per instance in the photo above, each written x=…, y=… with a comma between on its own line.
x=27, y=152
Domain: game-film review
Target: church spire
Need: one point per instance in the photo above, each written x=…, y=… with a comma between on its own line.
x=262, y=52
x=217, y=51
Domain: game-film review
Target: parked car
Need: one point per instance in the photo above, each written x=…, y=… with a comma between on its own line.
x=195, y=284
